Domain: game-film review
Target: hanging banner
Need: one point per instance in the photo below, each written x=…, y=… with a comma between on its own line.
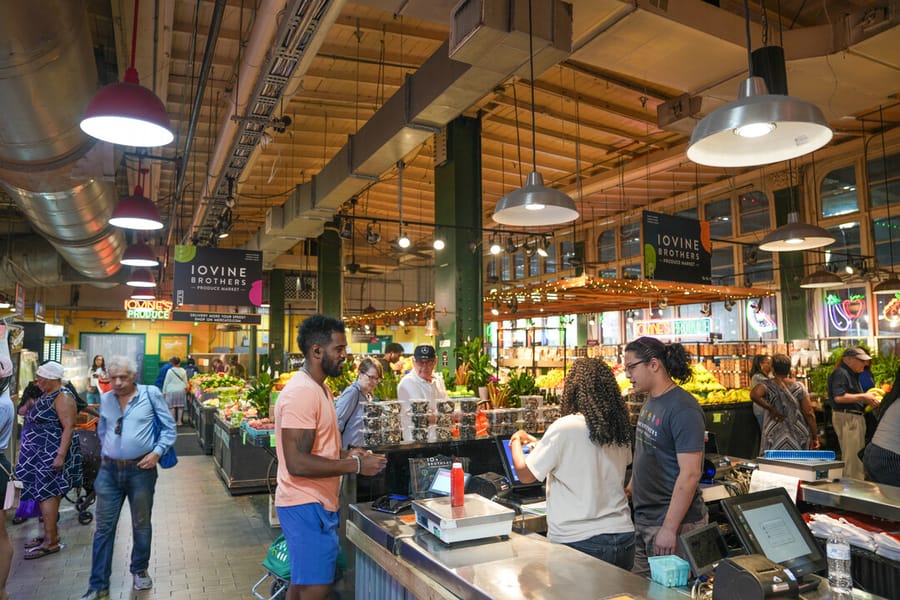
x=216, y=276
x=209, y=317
x=676, y=248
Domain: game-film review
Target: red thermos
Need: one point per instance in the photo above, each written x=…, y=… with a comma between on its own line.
x=457, y=485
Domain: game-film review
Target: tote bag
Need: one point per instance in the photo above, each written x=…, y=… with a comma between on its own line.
x=169, y=459
x=13, y=491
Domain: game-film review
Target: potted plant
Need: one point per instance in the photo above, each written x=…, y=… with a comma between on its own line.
x=478, y=364
x=518, y=384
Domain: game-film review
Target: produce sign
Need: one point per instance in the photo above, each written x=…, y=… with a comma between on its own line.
x=676, y=248
x=693, y=328
x=148, y=309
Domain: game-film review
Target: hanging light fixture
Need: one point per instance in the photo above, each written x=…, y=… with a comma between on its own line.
x=127, y=113
x=403, y=240
x=139, y=255
x=534, y=204
x=543, y=246
x=496, y=248
x=439, y=242
x=137, y=211
x=794, y=235
x=143, y=294
x=141, y=278
x=373, y=236
x=821, y=279
x=891, y=285
x=758, y=128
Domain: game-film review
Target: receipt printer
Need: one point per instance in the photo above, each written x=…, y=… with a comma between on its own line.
x=752, y=577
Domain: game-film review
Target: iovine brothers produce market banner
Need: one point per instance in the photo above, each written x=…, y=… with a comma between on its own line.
x=676, y=248
x=215, y=276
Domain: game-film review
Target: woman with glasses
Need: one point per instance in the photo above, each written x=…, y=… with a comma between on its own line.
x=49, y=462
x=349, y=405
x=668, y=450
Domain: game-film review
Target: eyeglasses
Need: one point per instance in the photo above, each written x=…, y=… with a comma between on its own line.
x=630, y=367
x=119, y=425
x=374, y=378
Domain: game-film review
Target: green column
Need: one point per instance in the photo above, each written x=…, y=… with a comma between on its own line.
x=458, y=276
x=330, y=273
x=276, y=320
x=794, y=307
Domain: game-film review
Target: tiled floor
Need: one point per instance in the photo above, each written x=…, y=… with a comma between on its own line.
x=207, y=545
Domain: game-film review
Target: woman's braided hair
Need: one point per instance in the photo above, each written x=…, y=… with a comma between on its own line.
x=591, y=389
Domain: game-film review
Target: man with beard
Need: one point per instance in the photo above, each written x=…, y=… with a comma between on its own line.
x=311, y=462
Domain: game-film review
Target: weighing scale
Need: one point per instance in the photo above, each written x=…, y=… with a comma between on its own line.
x=478, y=518
x=804, y=470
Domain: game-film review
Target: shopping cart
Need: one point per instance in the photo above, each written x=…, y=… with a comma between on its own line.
x=86, y=427
x=278, y=571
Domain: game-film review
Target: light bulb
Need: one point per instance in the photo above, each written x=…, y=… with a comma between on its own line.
x=755, y=130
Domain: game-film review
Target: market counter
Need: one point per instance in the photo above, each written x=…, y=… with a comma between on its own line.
x=242, y=466
x=394, y=554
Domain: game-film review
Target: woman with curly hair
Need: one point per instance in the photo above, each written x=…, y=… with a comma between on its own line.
x=583, y=457
x=668, y=450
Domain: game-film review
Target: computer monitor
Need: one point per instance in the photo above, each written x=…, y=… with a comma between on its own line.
x=508, y=466
x=440, y=485
x=704, y=548
x=769, y=523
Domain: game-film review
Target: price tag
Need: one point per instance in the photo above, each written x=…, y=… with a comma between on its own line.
x=717, y=417
x=272, y=440
x=244, y=437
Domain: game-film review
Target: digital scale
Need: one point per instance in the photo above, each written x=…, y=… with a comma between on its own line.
x=476, y=519
x=804, y=470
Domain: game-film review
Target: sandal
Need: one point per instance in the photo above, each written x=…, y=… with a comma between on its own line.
x=40, y=552
x=34, y=543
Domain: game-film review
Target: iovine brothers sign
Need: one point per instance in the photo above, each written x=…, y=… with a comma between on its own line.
x=215, y=276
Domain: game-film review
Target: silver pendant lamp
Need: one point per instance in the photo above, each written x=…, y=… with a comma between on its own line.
x=758, y=128
x=534, y=204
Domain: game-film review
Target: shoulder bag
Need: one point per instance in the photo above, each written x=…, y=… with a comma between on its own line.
x=170, y=458
x=13, y=490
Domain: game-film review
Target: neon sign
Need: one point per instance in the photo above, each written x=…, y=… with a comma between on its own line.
x=758, y=320
x=694, y=328
x=844, y=312
x=148, y=309
x=891, y=310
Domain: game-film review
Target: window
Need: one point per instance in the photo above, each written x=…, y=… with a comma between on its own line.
x=886, y=234
x=505, y=272
x=567, y=252
x=607, y=273
x=606, y=246
x=718, y=213
x=550, y=261
x=841, y=252
x=722, y=266
x=631, y=272
x=492, y=270
x=631, y=240
x=688, y=213
x=757, y=265
x=753, y=208
x=838, y=191
x=880, y=183
x=534, y=265
x=609, y=326
x=518, y=265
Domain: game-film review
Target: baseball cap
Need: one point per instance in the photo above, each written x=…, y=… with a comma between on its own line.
x=424, y=352
x=856, y=352
x=51, y=370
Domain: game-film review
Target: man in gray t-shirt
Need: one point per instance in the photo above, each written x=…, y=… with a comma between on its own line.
x=882, y=456
x=669, y=425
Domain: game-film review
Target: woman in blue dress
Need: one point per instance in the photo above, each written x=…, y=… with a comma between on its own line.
x=50, y=458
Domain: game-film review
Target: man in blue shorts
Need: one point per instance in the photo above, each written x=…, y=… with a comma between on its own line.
x=311, y=462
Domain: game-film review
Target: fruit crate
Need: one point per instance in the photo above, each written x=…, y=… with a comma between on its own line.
x=257, y=437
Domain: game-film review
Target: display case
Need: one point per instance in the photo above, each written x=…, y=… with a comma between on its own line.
x=76, y=369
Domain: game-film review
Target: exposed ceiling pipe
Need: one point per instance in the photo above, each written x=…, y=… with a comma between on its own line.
x=47, y=165
x=209, y=51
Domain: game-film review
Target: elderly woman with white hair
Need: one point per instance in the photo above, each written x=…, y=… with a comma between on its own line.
x=50, y=458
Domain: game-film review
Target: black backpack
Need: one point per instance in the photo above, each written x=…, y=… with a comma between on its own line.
x=80, y=402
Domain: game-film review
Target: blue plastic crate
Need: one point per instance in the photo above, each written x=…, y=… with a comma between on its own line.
x=669, y=570
x=799, y=454
x=257, y=437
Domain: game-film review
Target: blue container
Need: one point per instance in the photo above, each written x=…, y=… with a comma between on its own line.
x=669, y=570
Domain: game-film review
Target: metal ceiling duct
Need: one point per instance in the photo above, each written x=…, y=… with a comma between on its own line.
x=46, y=162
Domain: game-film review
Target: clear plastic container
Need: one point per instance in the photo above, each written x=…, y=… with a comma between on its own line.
x=423, y=420
x=419, y=406
x=445, y=407
x=468, y=405
x=372, y=409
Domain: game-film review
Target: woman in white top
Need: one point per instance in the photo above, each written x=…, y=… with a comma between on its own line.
x=175, y=388
x=583, y=457
x=99, y=380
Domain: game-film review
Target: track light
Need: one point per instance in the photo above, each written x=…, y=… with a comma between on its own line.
x=663, y=303
x=543, y=246
x=373, y=235
x=346, y=229
x=729, y=304
x=439, y=243
x=403, y=241
x=511, y=245
x=495, y=309
x=496, y=248
x=706, y=309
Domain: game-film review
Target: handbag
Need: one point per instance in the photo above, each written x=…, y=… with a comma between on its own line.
x=13, y=491
x=170, y=458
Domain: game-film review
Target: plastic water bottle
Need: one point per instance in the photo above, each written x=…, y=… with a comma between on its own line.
x=457, y=485
x=838, y=552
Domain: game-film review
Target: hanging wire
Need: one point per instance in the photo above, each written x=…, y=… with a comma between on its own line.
x=531, y=76
x=887, y=187
x=518, y=132
x=358, y=35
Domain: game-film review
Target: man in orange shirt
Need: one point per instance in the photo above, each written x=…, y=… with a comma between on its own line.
x=311, y=462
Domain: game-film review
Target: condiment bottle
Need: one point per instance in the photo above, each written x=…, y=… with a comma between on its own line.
x=457, y=485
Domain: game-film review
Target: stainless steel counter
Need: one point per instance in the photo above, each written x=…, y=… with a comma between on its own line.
x=864, y=497
x=522, y=566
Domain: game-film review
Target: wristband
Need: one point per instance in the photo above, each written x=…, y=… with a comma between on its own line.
x=358, y=463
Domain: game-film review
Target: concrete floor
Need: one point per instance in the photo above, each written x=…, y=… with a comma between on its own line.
x=207, y=545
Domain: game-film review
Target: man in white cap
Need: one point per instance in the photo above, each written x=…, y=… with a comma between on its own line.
x=848, y=404
x=421, y=382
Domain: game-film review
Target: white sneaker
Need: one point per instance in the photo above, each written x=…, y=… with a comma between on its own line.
x=96, y=595
x=142, y=581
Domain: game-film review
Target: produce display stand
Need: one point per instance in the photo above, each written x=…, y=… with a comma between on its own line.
x=206, y=417
x=737, y=433
x=242, y=466
x=192, y=411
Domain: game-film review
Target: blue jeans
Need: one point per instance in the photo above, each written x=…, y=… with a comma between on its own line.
x=114, y=483
x=614, y=548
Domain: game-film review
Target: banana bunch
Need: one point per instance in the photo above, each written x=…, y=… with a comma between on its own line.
x=879, y=395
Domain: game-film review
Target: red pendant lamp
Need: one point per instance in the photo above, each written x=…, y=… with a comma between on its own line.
x=127, y=113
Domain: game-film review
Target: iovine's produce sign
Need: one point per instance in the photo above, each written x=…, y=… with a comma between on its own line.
x=676, y=248
x=216, y=276
x=148, y=309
